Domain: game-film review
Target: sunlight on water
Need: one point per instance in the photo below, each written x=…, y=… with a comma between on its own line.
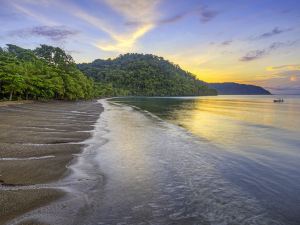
x=259, y=141
x=228, y=120
x=235, y=121
x=201, y=160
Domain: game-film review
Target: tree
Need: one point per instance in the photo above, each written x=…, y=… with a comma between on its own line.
x=13, y=84
x=44, y=73
x=145, y=75
x=54, y=55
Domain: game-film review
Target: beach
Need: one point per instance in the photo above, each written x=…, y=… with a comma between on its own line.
x=37, y=142
x=143, y=161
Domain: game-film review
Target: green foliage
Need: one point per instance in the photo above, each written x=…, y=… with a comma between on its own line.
x=144, y=75
x=50, y=73
x=107, y=90
x=54, y=55
x=44, y=73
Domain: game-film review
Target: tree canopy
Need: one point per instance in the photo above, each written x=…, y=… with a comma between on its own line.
x=44, y=73
x=48, y=72
x=145, y=75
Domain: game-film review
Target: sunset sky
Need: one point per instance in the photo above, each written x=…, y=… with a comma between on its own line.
x=247, y=41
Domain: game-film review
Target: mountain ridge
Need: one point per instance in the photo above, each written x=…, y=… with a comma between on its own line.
x=233, y=88
x=144, y=75
x=151, y=75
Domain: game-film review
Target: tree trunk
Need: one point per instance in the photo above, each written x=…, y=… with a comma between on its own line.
x=10, y=96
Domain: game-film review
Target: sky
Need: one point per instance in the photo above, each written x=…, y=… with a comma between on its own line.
x=246, y=41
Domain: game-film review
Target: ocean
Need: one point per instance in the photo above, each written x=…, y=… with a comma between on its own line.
x=252, y=142
x=223, y=160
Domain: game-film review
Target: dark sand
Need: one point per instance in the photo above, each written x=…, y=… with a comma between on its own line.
x=37, y=142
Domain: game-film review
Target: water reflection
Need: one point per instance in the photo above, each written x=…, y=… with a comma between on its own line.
x=260, y=140
x=225, y=119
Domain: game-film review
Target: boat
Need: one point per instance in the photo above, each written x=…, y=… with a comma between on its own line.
x=280, y=100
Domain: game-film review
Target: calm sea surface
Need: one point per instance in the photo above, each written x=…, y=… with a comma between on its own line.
x=252, y=143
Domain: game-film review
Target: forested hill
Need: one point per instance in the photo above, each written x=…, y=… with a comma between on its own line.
x=230, y=88
x=44, y=73
x=144, y=75
x=50, y=73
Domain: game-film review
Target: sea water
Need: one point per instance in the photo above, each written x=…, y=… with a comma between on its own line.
x=224, y=160
x=254, y=143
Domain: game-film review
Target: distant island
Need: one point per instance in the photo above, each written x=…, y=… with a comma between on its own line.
x=230, y=88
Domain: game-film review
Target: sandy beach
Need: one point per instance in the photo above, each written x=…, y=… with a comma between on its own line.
x=37, y=142
x=110, y=163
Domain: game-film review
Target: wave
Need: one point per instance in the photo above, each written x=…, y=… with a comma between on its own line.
x=27, y=158
x=139, y=169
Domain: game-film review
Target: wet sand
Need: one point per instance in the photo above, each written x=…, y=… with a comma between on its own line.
x=37, y=142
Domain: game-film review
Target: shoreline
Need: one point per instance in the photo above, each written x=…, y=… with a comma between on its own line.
x=18, y=102
x=125, y=176
x=132, y=180
x=38, y=143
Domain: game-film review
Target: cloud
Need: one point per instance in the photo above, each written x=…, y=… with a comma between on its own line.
x=172, y=19
x=273, y=32
x=121, y=41
x=206, y=14
x=257, y=54
x=142, y=16
x=54, y=33
x=228, y=42
x=34, y=15
x=284, y=67
x=294, y=78
x=253, y=55
x=282, y=82
x=140, y=10
x=285, y=89
x=124, y=42
x=202, y=12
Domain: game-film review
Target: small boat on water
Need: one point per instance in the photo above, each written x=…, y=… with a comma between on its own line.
x=280, y=100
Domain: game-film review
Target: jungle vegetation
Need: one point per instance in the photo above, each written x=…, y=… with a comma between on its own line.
x=144, y=75
x=43, y=73
x=50, y=73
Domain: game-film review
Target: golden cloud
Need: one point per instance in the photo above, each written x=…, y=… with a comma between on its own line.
x=284, y=67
